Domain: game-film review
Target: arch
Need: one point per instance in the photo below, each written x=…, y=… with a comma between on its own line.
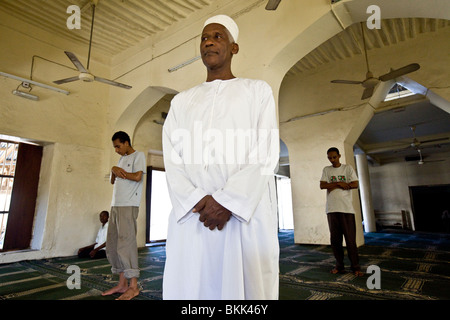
x=434, y=98
x=139, y=106
x=308, y=204
x=345, y=13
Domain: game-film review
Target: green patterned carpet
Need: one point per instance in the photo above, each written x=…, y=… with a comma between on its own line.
x=412, y=267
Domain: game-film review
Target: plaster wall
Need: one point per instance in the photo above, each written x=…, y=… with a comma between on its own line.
x=390, y=182
x=72, y=130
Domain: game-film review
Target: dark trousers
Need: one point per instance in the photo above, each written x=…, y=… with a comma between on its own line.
x=343, y=224
x=85, y=253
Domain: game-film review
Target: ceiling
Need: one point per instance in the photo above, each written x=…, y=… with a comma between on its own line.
x=122, y=24
x=389, y=134
x=349, y=42
x=118, y=24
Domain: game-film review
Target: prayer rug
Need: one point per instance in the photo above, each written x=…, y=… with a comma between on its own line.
x=411, y=266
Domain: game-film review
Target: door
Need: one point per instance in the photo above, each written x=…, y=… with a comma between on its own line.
x=19, y=226
x=429, y=204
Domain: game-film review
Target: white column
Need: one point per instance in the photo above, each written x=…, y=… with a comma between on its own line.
x=366, y=192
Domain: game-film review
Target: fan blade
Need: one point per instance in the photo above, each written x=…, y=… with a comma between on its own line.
x=272, y=4
x=76, y=62
x=346, y=81
x=400, y=72
x=368, y=92
x=66, y=80
x=113, y=83
x=402, y=149
x=434, y=140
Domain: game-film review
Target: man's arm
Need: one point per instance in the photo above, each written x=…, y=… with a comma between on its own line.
x=134, y=176
x=334, y=185
x=244, y=189
x=116, y=172
x=328, y=186
x=354, y=184
x=87, y=247
x=212, y=213
x=119, y=172
x=183, y=193
x=94, y=251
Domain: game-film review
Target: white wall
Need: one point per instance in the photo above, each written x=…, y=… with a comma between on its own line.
x=390, y=182
x=72, y=130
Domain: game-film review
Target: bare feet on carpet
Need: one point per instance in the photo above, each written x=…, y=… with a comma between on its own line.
x=116, y=289
x=129, y=294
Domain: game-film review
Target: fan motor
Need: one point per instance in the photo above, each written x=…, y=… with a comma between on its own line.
x=86, y=77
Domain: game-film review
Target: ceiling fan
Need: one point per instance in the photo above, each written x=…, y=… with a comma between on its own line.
x=370, y=82
x=85, y=75
x=272, y=4
x=421, y=161
x=416, y=144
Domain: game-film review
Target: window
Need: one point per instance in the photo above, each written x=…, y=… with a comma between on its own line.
x=397, y=92
x=8, y=159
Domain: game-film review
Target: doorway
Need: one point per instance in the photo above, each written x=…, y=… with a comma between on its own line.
x=429, y=204
x=158, y=205
x=8, y=158
x=20, y=165
x=284, y=195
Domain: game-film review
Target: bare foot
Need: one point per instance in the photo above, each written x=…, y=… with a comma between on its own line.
x=116, y=289
x=129, y=294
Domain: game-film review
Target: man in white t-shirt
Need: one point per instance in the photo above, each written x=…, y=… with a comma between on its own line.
x=97, y=250
x=338, y=179
x=121, y=247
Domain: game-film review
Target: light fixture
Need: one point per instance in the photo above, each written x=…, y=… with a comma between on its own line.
x=181, y=65
x=27, y=81
x=25, y=95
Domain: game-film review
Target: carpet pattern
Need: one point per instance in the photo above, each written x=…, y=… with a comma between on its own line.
x=411, y=267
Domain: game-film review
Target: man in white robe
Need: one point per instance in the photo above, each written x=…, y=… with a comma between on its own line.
x=221, y=147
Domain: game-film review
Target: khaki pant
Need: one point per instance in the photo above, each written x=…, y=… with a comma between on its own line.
x=121, y=245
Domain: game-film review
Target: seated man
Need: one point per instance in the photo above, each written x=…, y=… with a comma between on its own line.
x=97, y=250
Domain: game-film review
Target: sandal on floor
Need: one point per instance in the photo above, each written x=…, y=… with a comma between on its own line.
x=335, y=271
x=358, y=273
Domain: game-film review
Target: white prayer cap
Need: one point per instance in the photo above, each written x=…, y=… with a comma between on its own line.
x=227, y=22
